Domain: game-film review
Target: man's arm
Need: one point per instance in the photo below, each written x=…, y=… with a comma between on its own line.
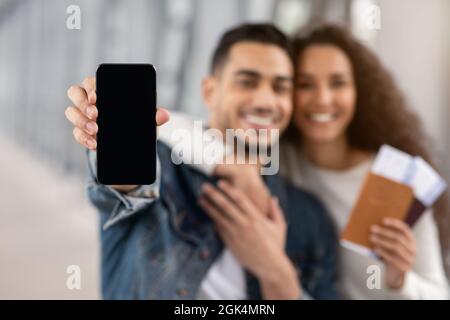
x=115, y=202
x=115, y=205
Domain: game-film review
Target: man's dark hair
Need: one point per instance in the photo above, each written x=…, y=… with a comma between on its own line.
x=264, y=33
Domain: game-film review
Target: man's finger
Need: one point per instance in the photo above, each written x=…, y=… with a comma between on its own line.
x=79, y=120
x=89, y=84
x=79, y=98
x=92, y=112
x=92, y=97
x=77, y=95
x=162, y=116
x=84, y=139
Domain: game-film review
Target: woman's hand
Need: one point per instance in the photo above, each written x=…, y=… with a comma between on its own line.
x=394, y=243
x=256, y=239
x=246, y=178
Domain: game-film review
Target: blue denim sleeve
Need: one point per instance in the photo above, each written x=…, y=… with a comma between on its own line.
x=113, y=205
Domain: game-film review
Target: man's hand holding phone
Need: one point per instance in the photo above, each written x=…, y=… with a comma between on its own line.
x=83, y=115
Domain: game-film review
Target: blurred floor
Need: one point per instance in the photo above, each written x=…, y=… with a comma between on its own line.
x=46, y=224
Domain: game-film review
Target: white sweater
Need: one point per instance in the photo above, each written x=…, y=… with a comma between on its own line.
x=338, y=191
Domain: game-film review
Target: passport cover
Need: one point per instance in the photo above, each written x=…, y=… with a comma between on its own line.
x=379, y=198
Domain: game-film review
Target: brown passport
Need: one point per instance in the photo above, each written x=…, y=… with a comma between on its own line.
x=379, y=198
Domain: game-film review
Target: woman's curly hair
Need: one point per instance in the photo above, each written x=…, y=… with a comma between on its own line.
x=382, y=115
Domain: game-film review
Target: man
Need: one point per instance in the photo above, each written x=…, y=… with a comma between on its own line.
x=188, y=236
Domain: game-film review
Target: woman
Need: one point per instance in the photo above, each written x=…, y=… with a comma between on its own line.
x=346, y=106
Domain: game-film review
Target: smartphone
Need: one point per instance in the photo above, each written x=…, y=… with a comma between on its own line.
x=126, y=138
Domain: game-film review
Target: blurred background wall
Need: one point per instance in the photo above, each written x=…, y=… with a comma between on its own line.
x=46, y=222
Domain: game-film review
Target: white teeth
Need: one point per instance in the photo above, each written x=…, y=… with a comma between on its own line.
x=260, y=121
x=321, y=117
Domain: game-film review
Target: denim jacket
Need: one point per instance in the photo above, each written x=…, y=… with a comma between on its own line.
x=157, y=243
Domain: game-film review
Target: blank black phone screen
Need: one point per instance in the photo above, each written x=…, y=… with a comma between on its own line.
x=126, y=138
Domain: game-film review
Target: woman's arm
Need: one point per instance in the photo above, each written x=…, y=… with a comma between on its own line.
x=256, y=239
